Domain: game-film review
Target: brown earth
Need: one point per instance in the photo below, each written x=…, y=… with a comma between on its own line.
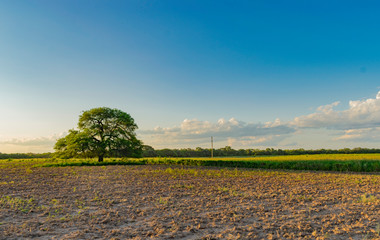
x=162, y=202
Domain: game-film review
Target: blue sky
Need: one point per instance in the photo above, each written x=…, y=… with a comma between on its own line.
x=252, y=73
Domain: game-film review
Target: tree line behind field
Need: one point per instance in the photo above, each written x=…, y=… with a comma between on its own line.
x=227, y=151
x=24, y=155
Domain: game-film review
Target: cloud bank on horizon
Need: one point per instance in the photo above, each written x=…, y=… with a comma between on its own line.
x=33, y=145
x=359, y=125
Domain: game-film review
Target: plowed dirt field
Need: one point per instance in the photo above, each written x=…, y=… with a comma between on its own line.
x=166, y=202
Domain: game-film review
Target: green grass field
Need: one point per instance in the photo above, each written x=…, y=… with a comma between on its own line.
x=322, y=162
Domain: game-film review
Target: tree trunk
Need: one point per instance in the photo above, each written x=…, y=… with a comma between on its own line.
x=100, y=159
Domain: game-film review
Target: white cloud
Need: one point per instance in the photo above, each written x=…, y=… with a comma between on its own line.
x=231, y=132
x=261, y=140
x=350, y=134
x=361, y=135
x=276, y=123
x=39, y=144
x=328, y=108
x=41, y=141
x=361, y=114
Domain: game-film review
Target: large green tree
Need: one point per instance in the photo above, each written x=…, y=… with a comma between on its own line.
x=102, y=132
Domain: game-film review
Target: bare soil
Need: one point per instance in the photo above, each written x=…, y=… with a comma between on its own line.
x=166, y=202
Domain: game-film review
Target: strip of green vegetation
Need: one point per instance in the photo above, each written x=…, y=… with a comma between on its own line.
x=321, y=165
x=355, y=157
x=359, y=165
x=91, y=162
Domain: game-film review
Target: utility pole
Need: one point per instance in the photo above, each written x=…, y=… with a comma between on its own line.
x=212, y=147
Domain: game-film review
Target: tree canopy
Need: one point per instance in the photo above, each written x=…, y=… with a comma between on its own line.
x=101, y=132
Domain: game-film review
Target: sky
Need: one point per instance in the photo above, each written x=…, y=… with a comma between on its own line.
x=252, y=74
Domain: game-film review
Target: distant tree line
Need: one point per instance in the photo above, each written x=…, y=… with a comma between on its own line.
x=227, y=151
x=148, y=151
x=24, y=155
